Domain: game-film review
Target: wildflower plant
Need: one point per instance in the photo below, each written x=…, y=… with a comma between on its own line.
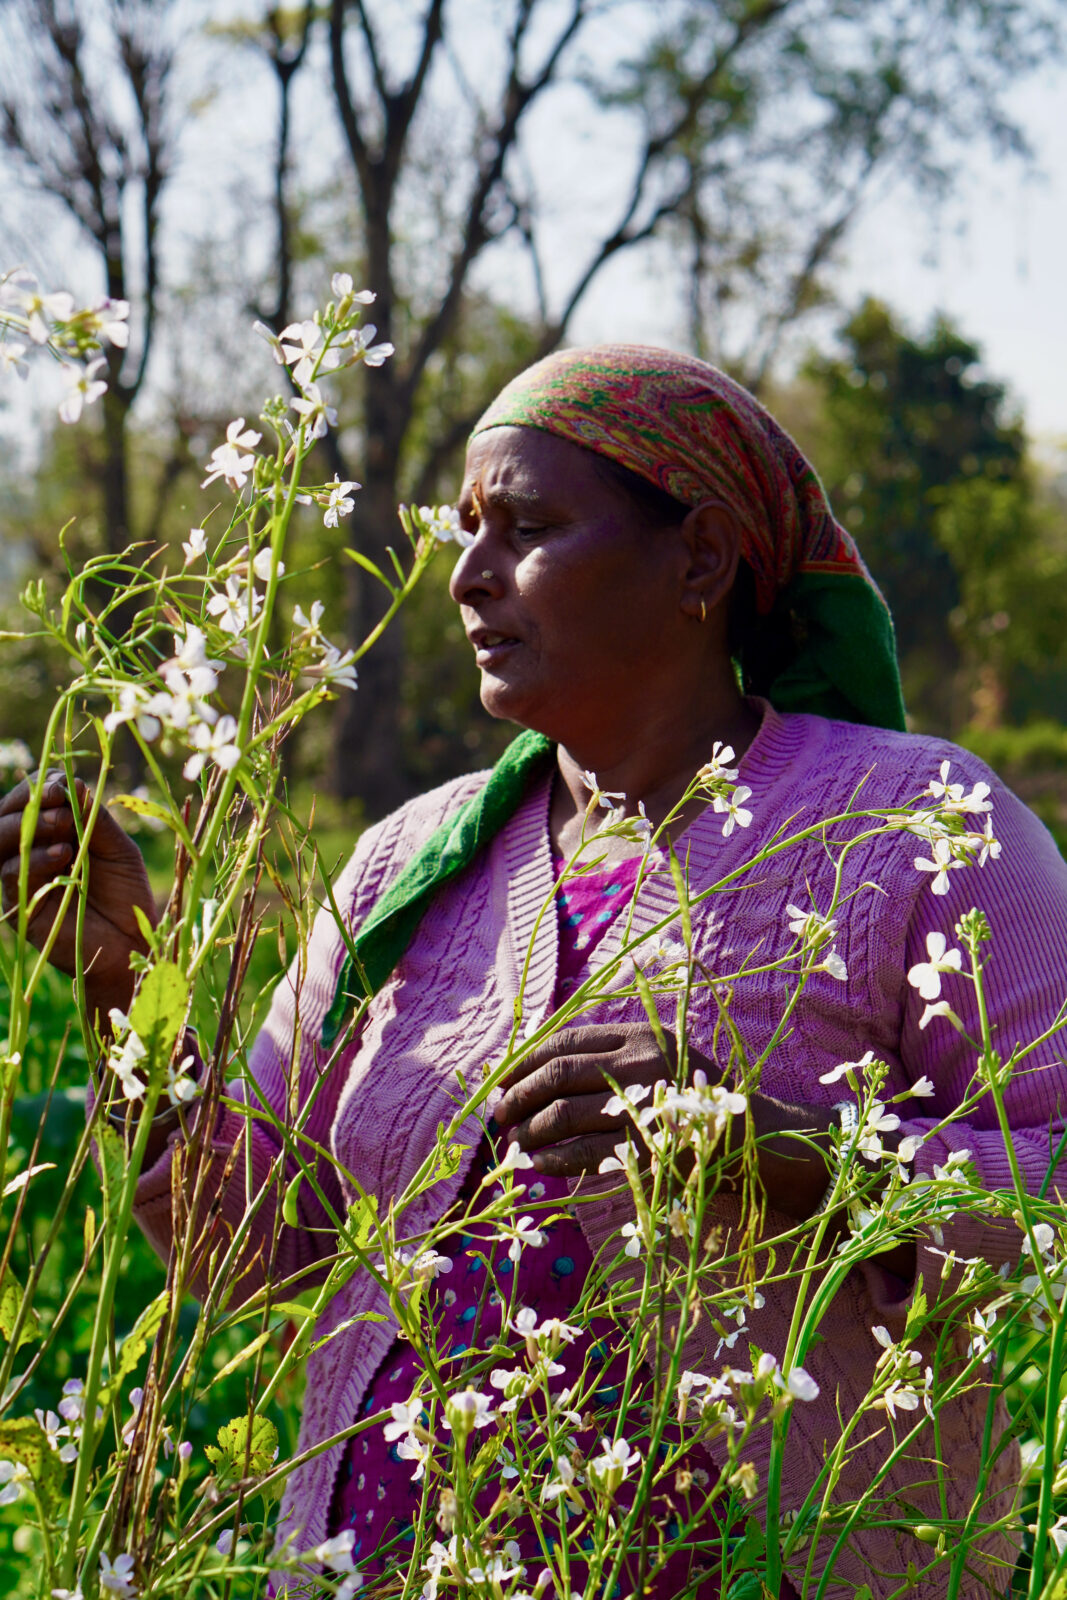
x=121, y=1490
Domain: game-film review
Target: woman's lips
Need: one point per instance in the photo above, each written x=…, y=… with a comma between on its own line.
x=493, y=650
x=490, y=646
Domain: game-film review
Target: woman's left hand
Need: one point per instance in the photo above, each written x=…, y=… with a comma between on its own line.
x=553, y=1105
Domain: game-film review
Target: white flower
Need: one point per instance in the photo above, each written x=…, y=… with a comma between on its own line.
x=374, y=355
x=834, y=965
x=126, y=1054
x=564, y=1483
x=515, y=1159
x=468, y=1409
x=11, y=354
x=215, y=744
x=514, y=1384
x=876, y=1122
x=335, y=1552
x=272, y=339
x=109, y=319
x=334, y=666
x=942, y=864
x=663, y=951
x=405, y=1417
x=847, y=1069
x=117, y=1577
x=190, y=656
x=412, y=1448
x=133, y=707
x=194, y=546
x=423, y=1266
x=1044, y=1239
x=602, y=799
x=612, y=1466
x=83, y=387
x=301, y=342
x=987, y=846
x=226, y=459
x=261, y=564
x=496, y=1571
x=898, y=1397
x=624, y=1104
x=314, y=411
x=734, y=806
x=940, y=1009
x=926, y=975
x=12, y=1476
x=951, y=797
x=231, y=609
x=523, y=1233
x=36, y=306
x=923, y=1088
x=180, y=1087
x=340, y=503
x=624, y=1159
x=810, y=926
x=800, y=1384
x=632, y=1232
x=908, y=1148
x=442, y=523
x=718, y=770
x=309, y=624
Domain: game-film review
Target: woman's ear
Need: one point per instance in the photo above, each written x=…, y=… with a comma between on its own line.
x=713, y=540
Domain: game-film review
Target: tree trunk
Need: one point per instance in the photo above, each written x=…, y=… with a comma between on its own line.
x=368, y=754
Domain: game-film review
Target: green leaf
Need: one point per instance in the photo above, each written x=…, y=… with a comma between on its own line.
x=136, y=1343
x=244, y=1450
x=234, y=1362
x=111, y=1151
x=23, y=1439
x=10, y=1301
x=749, y=1586
x=158, y=1012
x=362, y=1215
x=149, y=808
x=751, y=1548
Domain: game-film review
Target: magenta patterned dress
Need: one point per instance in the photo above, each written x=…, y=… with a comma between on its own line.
x=376, y=1495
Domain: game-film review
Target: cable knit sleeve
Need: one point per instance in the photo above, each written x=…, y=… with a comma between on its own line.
x=1024, y=896
x=295, y=1081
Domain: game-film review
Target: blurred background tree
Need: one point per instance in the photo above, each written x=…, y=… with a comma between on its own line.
x=218, y=164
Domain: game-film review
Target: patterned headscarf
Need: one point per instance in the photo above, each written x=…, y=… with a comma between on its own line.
x=697, y=435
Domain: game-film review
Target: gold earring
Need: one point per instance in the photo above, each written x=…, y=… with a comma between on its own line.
x=703, y=610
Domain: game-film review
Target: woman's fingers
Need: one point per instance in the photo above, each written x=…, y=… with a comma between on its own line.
x=592, y=1039
x=45, y=863
x=580, y=1155
x=566, y=1118
x=557, y=1079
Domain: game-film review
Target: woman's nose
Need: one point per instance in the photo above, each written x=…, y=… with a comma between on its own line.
x=473, y=574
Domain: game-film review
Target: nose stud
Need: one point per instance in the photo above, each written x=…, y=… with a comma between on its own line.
x=487, y=573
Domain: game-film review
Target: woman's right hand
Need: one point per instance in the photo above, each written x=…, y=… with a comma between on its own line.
x=117, y=882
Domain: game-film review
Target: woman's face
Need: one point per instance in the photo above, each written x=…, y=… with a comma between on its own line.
x=579, y=625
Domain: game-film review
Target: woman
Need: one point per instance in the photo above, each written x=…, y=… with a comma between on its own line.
x=641, y=534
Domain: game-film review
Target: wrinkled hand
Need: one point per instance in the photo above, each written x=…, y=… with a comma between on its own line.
x=117, y=881
x=553, y=1106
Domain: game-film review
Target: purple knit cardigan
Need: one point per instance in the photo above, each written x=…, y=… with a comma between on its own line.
x=449, y=1007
